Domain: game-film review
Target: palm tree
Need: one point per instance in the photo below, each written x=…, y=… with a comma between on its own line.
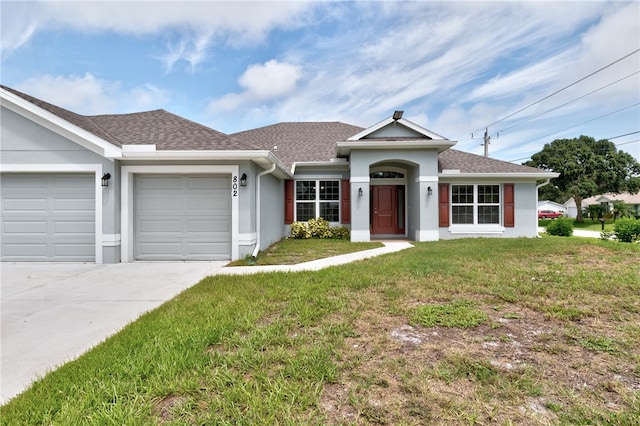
x=620, y=209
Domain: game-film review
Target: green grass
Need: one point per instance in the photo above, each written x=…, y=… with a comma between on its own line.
x=290, y=251
x=459, y=313
x=587, y=225
x=559, y=345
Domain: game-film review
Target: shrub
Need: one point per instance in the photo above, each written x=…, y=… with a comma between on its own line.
x=341, y=233
x=320, y=228
x=300, y=230
x=627, y=230
x=561, y=227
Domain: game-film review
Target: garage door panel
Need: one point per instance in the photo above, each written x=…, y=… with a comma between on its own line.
x=73, y=204
x=85, y=228
x=26, y=205
x=48, y=217
x=25, y=183
x=159, y=226
x=25, y=227
x=23, y=251
x=73, y=250
x=199, y=226
x=186, y=221
x=159, y=182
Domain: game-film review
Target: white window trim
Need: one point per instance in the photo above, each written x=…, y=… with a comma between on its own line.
x=126, y=211
x=97, y=171
x=477, y=228
x=317, y=201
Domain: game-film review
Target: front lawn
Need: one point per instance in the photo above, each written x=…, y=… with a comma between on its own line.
x=478, y=331
x=290, y=251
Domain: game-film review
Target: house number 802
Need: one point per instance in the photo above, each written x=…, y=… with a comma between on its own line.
x=234, y=186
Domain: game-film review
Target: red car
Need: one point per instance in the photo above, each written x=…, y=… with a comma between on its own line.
x=548, y=214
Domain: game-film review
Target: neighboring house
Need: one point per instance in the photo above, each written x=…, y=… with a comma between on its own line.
x=155, y=186
x=605, y=200
x=551, y=205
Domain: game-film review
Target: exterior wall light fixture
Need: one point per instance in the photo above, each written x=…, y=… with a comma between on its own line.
x=397, y=115
x=243, y=180
x=429, y=191
x=359, y=192
x=105, y=179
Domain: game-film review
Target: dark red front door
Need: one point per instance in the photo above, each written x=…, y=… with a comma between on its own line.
x=384, y=210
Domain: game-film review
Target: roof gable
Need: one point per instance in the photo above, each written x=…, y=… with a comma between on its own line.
x=396, y=129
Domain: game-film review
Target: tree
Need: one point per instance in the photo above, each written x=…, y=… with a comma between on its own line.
x=588, y=167
x=620, y=209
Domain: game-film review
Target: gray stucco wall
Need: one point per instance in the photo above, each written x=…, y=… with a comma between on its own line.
x=272, y=210
x=27, y=143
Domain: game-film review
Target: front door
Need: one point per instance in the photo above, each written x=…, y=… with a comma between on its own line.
x=385, y=210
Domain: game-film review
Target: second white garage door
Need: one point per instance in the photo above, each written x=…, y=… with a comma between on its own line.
x=182, y=217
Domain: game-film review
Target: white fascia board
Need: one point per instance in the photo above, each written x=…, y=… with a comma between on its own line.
x=126, y=149
x=371, y=129
x=58, y=125
x=501, y=176
x=195, y=154
x=344, y=148
x=262, y=157
x=420, y=129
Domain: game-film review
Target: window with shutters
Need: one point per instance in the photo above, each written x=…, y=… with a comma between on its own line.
x=475, y=204
x=317, y=198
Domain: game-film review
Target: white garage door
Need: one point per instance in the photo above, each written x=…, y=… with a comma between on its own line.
x=48, y=217
x=182, y=217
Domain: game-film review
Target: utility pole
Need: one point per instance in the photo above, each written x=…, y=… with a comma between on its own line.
x=486, y=142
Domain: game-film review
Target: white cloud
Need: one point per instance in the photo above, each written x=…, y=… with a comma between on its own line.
x=199, y=23
x=271, y=79
x=262, y=82
x=88, y=95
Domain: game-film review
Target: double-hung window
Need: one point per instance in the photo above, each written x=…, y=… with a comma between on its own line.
x=317, y=198
x=475, y=204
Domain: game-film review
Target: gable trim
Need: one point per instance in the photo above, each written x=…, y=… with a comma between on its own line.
x=58, y=125
x=404, y=122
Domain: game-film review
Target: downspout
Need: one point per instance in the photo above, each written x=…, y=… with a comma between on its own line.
x=546, y=182
x=258, y=176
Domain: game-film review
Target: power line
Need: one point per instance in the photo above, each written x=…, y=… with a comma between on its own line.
x=576, y=125
x=571, y=101
x=627, y=143
x=616, y=144
x=559, y=90
x=626, y=134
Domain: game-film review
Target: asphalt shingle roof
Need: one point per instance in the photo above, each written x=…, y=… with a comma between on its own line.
x=452, y=159
x=165, y=130
x=300, y=142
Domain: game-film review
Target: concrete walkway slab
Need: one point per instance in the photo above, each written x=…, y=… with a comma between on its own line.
x=53, y=312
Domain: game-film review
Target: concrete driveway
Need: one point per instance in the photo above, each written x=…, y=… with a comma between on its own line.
x=53, y=312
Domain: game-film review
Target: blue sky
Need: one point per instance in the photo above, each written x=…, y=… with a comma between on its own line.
x=453, y=67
